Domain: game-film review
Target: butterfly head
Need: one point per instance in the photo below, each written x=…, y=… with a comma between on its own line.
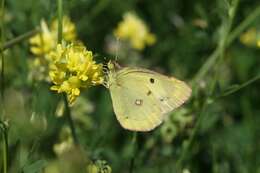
x=111, y=66
x=110, y=71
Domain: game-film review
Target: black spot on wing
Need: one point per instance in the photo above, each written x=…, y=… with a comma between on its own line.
x=149, y=93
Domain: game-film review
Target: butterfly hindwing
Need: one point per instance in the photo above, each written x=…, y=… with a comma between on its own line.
x=133, y=108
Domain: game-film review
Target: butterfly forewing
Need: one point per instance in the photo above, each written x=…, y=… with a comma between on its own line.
x=168, y=91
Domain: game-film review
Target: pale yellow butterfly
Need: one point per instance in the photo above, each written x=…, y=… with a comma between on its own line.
x=142, y=98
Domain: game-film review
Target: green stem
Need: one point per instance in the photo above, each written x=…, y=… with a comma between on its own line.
x=70, y=121
x=60, y=15
x=243, y=25
x=67, y=108
x=3, y=131
x=19, y=39
x=190, y=140
x=240, y=86
x=134, y=147
x=3, y=128
x=2, y=31
x=207, y=66
x=218, y=54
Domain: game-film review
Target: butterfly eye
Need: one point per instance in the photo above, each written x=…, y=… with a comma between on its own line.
x=151, y=80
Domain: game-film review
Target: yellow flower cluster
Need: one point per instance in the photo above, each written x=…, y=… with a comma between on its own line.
x=72, y=67
x=133, y=29
x=44, y=42
x=251, y=38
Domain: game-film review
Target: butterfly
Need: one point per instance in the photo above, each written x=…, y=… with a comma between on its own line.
x=142, y=98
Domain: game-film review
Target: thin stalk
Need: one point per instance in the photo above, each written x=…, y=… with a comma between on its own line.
x=132, y=159
x=19, y=39
x=67, y=108
x=240, y=86
x=60, y=16
x=3, y=131
x=3, y=128
x=191, y=139
x=2, y=31
x=70, y=121
x=5, y=151
x=206, y=66
x=243, y=25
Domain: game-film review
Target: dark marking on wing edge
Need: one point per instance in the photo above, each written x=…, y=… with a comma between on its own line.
x=138, y=102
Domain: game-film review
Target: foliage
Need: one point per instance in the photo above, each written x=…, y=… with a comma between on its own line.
x=212, y=45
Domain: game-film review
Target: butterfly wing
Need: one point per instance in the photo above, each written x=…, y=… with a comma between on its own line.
x=133, y=109
x=142, y=97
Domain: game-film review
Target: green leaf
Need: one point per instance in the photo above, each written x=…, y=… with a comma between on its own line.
x=35, y=167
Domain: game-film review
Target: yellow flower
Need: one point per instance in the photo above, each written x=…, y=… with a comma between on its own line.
x=68, y=29
x=72, y=67
x=43, y=42
x=133, y=29
x=251, y=38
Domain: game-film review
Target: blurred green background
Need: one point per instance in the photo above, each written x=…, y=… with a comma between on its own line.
x=197, y=41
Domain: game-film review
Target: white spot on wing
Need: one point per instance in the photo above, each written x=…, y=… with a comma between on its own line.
x=138, y=102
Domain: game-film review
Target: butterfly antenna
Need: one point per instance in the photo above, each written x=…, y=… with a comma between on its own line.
x=116, y=58
x=117, y=46
x=105, y=63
